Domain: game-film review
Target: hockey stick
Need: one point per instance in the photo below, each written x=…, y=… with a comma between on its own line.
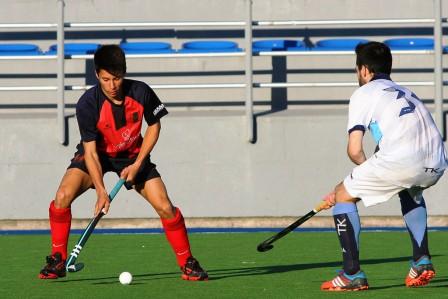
x=267, y=244
x=70, y=265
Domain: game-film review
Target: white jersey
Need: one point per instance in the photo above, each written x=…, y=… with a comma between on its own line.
x=409, y=142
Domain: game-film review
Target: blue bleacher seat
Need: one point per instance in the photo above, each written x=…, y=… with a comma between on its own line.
x=410, y=43
x=75, y=48
x=209, y=47
x=338, y=44
x=19, y=49
x=146, y=47
x=277, y=45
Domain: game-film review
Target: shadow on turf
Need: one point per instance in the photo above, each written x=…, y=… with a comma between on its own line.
x=266, y=270
x=249, y=271
x=435, y=283
x=114, y=279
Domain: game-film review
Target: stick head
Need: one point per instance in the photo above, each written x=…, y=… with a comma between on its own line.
x=74, y=267
x=264, y=247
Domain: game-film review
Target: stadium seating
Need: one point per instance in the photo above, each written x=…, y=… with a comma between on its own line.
x=146, y=47
x=278, y=45
x=19, y=49
x=410, y=43
x=209, y=47
x=74, y=48
x=338, y=44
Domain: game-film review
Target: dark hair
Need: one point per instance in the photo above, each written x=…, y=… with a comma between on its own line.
x=375, y=56
x=111, y=59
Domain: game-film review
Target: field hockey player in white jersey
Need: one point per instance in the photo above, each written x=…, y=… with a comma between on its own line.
x=410, y=157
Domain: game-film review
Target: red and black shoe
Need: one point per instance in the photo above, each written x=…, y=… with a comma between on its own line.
x=193, y=271
x=54, y=268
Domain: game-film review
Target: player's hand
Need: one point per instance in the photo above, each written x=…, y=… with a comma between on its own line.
x=330, y=200
x=102, y=203
x=130, y=172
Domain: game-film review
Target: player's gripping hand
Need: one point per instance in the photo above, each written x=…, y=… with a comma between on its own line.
x=130, y=172
x=330, y=200
x=102, y=203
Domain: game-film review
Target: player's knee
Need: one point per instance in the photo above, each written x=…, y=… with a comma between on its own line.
x=165, y=211
x=62, y=199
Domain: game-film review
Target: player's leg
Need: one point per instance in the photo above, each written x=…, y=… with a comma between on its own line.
x=154, y=191
x=348, y=227
x=74, y=182
x=363, y=184
x=413, y=208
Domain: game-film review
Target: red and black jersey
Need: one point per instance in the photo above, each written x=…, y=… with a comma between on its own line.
x=117, y=128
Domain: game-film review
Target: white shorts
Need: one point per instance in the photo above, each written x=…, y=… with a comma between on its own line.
x=364, y=183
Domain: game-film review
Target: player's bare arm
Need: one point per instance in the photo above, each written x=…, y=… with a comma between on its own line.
x=355, y=149
x=94, y=166
x=149, y=141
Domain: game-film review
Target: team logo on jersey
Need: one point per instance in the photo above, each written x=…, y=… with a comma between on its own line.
x=128, y=139
x=126, y=134
x=158, y=109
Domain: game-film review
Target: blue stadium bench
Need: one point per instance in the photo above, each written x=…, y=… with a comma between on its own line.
x=146, y=47
x=75, y=49
x=410, y=43
x=209, y=47
x=19, y=49
x=338, y=44
x=278, y=45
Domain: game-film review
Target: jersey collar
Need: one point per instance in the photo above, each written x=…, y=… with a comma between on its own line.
x=379, y=76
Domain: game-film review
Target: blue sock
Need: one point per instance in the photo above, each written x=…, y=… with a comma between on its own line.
x=348, y=226
x=416, y=222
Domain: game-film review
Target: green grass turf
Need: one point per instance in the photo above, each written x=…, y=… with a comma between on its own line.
x=295, y=267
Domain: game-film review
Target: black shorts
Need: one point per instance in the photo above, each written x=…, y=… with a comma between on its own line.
x=147, y=170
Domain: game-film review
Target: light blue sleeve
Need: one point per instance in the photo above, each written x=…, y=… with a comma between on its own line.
x=375, y=131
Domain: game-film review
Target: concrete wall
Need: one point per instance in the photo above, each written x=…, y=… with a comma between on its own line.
x=208, y=166
x=212, y=10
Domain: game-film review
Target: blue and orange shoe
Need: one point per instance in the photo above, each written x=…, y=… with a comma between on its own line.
x=192, y=270
x=344, y=282
x=421, y=272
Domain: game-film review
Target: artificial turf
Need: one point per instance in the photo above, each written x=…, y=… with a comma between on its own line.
x=295, y=268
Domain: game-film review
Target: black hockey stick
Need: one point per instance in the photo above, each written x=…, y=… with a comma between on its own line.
x=267, y=244
x=70, y=265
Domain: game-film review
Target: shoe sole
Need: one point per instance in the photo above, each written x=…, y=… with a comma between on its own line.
x=422, y=280
x=339, y=289
x=50, y=276
x=53, y=276
x=186, y=277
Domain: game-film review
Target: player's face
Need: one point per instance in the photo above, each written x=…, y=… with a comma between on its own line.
x=110, y=84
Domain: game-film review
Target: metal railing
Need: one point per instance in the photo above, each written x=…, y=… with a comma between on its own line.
x=438, y=82
x=249, y=83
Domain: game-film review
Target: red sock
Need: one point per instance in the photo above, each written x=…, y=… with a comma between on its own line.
x=177, y=236
x=60, y=222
